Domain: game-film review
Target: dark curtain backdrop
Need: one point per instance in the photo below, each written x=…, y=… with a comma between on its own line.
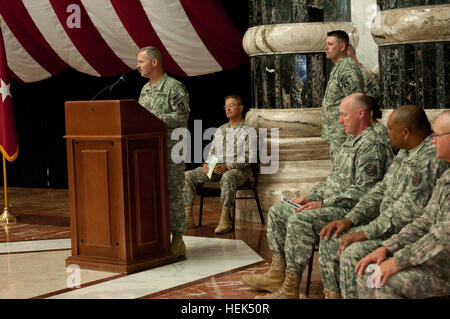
x=39, y=110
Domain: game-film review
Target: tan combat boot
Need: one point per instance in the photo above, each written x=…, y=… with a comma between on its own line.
x=335, y=295
x=177, y=246
x=289, y=290
x=326, y=292
x=190, y=222
x=271, y=280
x=225, y=223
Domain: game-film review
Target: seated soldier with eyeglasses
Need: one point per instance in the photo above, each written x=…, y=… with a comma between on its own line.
x=230, y=171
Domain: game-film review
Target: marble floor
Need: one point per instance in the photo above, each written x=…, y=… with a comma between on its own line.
x=33, y=252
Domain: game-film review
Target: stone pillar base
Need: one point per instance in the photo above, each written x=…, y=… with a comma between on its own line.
x=303, y=158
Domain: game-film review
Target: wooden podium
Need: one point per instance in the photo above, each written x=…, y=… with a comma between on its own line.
x=117, y=173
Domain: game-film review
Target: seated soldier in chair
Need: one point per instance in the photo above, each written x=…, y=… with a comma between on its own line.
x=231, y=171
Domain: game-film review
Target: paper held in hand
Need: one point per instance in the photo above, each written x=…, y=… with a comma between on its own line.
x=211, y=164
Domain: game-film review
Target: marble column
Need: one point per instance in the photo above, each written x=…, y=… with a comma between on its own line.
x=413, y=37
x=286, y=44
x=302, y=155
x=289, y=73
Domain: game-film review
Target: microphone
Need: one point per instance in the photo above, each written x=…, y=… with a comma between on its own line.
x=116, y=84
x=112, y=87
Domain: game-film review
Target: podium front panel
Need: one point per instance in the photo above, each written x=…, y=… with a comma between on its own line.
x=96, y=170
x=146, y=168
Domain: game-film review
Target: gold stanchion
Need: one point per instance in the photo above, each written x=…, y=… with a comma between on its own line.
x=7, y=217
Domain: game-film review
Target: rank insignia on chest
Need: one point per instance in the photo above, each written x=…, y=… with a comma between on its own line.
x=371, y=170
x=417, y=179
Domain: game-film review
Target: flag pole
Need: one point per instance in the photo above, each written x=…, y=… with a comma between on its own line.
x=7, y=217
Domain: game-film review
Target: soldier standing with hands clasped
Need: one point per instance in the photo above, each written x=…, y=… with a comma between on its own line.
x=345, y=79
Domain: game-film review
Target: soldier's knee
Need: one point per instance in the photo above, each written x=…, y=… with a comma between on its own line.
x=227, y=178
x=295, y=219
x=308, y=216
x=188, y=176
x=275, y=209
x=349, y=254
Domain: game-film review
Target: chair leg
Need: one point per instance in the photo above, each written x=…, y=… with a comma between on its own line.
x=201, y=211
x=261, y=216
x=233, y=215
x=308, y=279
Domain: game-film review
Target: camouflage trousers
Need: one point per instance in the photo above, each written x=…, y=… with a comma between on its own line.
x=418, y=282
x=293, y=234
x=338, y=273
x=176, y=203
x=229, y=182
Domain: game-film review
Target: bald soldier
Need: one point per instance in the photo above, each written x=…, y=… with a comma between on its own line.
x=415, y=263
x=345, y=79
x=292, y=233
x=167, y=99
x=394, y=202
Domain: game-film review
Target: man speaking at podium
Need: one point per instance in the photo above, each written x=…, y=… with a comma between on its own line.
x=167, y=99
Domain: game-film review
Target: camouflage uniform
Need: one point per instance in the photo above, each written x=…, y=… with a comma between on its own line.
x=345, y=79
x=380, y=129
x=390, y=205
x=358, y=165
x=371, y=83
x=421, y=251
x=169, y=101
x=238, y=170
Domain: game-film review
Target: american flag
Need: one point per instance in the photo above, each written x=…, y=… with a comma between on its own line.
x=103, y=37
x=8, y=135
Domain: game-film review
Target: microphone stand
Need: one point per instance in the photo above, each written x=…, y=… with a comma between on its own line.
x=103, y=90
x=109, y=87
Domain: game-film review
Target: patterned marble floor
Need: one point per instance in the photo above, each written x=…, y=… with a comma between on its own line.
x=33, y=251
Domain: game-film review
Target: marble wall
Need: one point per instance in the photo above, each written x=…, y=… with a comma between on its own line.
x=363, y=13
x=414, y=53
x=394, y=4
x=288, y=81
x=417, y=73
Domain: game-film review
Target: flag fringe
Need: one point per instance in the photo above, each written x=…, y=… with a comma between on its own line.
x=9, y=158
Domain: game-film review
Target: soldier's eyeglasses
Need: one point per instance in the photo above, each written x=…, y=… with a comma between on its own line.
x=434, y=135
x=230, y=105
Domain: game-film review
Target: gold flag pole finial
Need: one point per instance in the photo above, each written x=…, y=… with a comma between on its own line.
x=7, y=217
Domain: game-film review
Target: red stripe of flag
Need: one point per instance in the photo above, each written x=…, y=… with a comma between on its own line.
x=88, y=40
x=12, y=75
x=22, y=26
x=8, y=133
x=136, y=22
x=214, y=27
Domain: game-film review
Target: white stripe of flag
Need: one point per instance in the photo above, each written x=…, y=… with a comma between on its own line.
x=176, y=32
x=108, y=24
x=43, y=15
x=28, y=69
